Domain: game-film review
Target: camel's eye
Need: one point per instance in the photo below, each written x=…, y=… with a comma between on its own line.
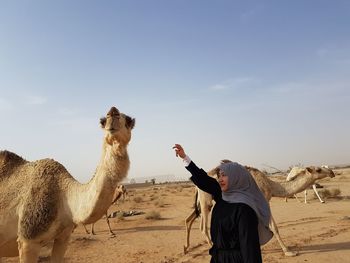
x=318, y=170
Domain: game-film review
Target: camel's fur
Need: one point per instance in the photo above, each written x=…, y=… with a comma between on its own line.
x=41, y=202
x=272, y=188
x=119, y=192
x=293, y=173
x=202, y=207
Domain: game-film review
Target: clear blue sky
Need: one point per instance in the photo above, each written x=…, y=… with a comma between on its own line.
x=258, y=82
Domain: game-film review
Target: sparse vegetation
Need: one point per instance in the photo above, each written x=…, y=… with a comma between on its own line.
x=120, y=217
x=159, y=203
x=138, y=199
x=155, y=215
x=330, y=193
x=152, y=197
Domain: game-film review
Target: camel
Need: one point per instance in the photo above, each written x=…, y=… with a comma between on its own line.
x=124, y=192
x=202, y=207
x=293, y=173
x=270, y=189
x=40, y=202
x=119, y=192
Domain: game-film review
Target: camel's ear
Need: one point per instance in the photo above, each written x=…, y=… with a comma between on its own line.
x=103, y=121
x=129, y=122
x=319, y=169
x=225, y=161
x=213, y=172
x=309, y=169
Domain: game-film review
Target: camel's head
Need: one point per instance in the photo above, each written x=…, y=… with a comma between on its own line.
x=121, y=188
x=215, y=171
x=320, y=172
x=117, y=127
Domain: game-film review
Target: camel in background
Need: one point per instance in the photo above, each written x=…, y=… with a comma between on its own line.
x=271, y=188
x=119, y=192
x=293, y=173
x=203, y=204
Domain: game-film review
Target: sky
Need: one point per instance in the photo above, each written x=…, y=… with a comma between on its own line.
x=263, y=83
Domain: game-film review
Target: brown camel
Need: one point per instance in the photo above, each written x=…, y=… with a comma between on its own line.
x=119, y=192
x=270, y=188
x=41, y=202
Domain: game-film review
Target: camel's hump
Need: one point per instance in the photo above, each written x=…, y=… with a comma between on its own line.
x=8, y=161
x=7, y=156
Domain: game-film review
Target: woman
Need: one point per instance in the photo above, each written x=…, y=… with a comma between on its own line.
x=241, y=215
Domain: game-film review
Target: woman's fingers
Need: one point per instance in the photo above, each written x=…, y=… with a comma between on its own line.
x=178, y=150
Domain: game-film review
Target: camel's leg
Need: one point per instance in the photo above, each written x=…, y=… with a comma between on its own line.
x=60, y=246
x=109, y=226
x=87, y=231
x=28, y=251
x=92, y=231
x=274, y=229
x=315, y=190
x=296, y=197
x=188, y=223
x=204, y=225
x=305, y=196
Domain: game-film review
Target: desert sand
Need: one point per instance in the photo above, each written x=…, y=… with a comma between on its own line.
x=318, y=232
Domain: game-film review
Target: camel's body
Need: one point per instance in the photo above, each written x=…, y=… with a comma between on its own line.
x=271, y=188
x=202, y=207
x=41, y=202
x=119, y=192
x=294, y=173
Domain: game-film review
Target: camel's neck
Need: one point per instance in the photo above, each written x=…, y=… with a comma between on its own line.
x=299, y=184
x=89, y=202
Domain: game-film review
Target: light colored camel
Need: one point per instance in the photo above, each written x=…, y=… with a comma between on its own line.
x=202, y=207
x=294, y=173
x=119, y=192
x=272, y=188
x=41, y=202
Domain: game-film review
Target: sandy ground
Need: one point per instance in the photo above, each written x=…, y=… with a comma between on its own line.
x=318, y=232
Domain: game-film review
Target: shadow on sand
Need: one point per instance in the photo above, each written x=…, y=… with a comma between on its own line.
x=306, y=249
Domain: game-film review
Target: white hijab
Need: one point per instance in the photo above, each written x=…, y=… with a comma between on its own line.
x=242, y=188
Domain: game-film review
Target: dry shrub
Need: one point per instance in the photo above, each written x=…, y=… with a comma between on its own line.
x=159, y=203
x=330, y=193
x=342, y=177
x=152, y=197
x=138, y=199
x=120, y=217
x=155, y=215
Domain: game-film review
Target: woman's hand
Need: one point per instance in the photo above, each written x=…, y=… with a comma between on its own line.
x=180, y=152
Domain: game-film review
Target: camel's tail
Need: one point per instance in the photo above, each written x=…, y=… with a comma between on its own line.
x=195, y=206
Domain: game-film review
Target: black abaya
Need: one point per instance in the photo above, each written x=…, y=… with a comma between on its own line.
x=234, y=226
